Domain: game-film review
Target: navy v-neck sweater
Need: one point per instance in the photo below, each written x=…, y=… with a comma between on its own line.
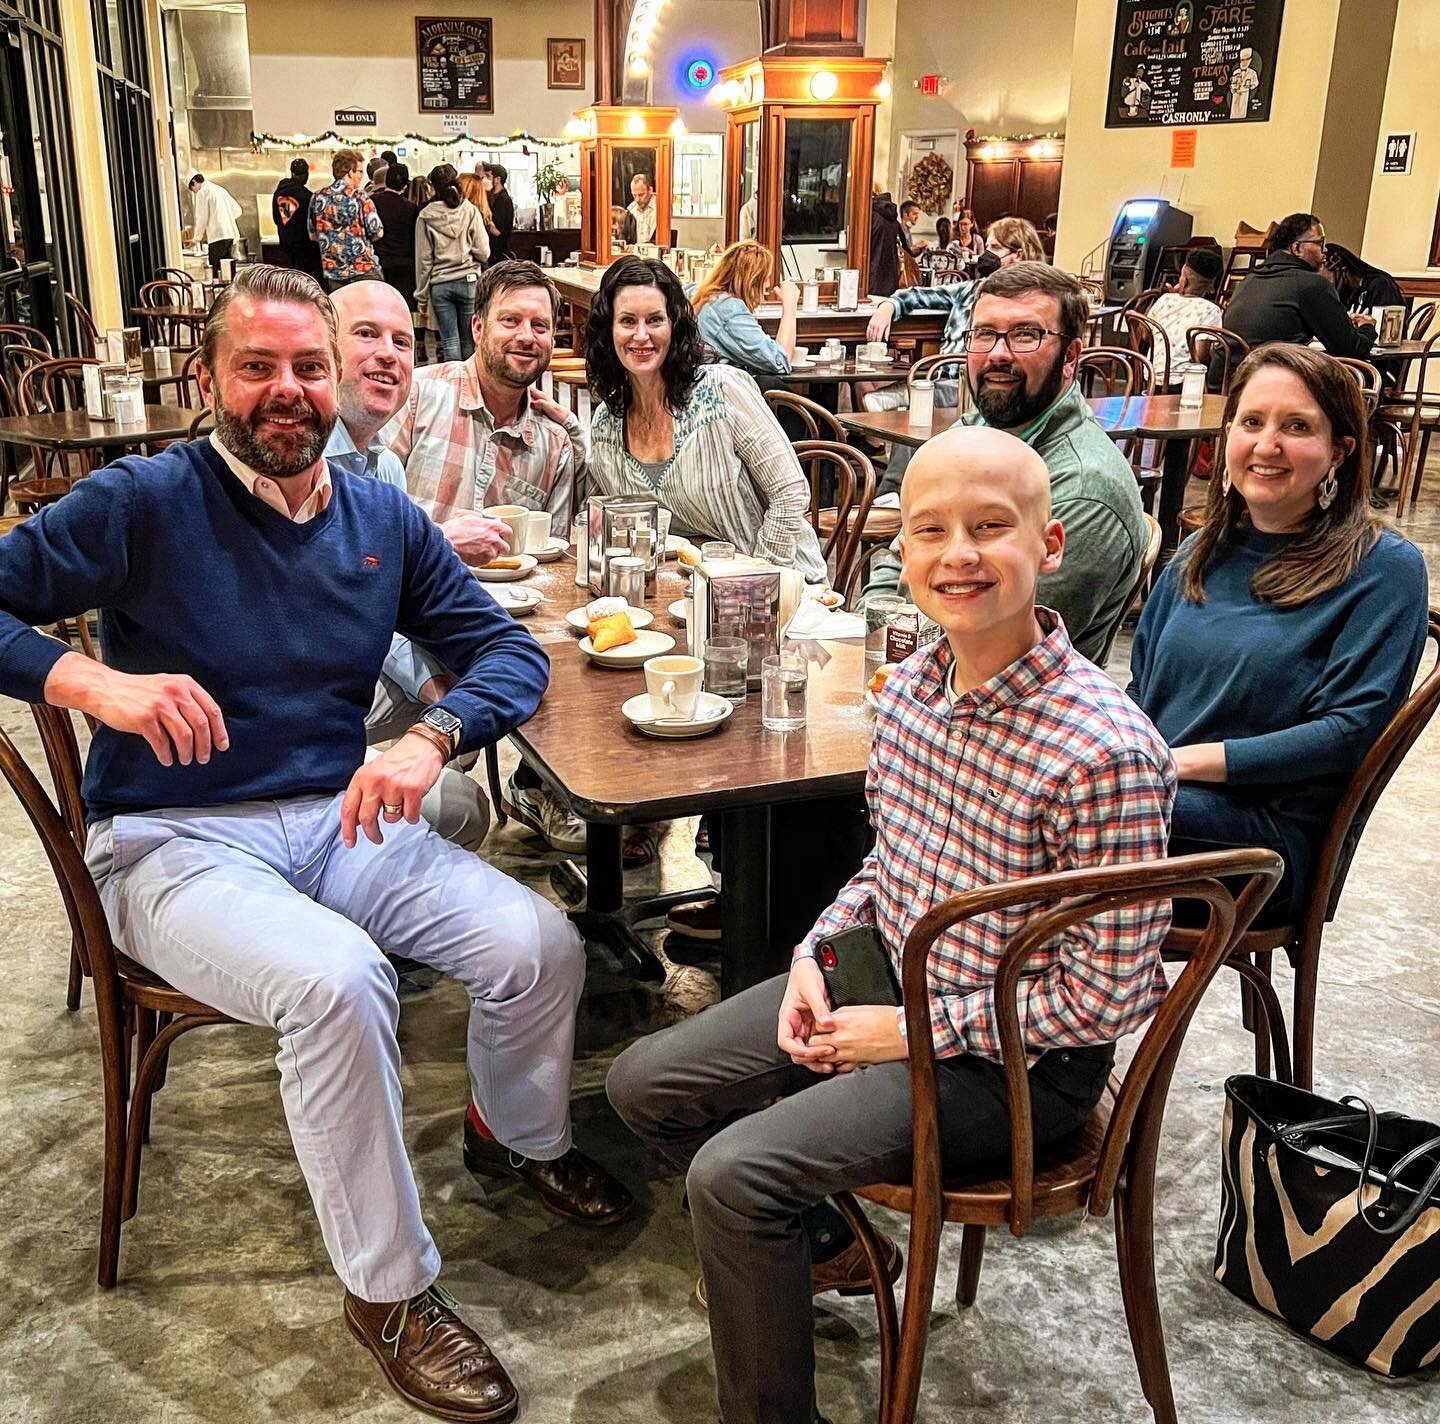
x=285, y=625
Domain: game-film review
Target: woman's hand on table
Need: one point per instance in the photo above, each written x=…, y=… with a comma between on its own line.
x=1205, y=761
x=879, y=327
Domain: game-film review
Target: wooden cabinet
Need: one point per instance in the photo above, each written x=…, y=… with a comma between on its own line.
x=1013, y=179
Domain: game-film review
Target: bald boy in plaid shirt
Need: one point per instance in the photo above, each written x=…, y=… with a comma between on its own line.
x=999, y=753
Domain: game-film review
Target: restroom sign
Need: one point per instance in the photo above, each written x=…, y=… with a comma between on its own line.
x=1399, y=153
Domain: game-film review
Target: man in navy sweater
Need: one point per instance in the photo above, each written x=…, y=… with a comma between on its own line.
x=246, y=851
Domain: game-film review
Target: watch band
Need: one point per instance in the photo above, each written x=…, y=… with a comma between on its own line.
x=434, y=736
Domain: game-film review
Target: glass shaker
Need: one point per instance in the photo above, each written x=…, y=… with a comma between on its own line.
x=922, y=404
x=1192, y=387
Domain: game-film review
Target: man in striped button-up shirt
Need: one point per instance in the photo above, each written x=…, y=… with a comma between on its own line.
x=999, y=753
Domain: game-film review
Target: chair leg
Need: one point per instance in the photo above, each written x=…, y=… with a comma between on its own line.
x=116, y=1089
x=972, y=1255
x=77, y=979
x=886, y=1315
x=145, y=1028
x=492, y=779
x=1135, y=1249
x=1303, y=1034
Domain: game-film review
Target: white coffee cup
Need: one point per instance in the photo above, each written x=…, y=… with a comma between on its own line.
x=874, y=351
x=516, y=518
x=673, y=682
x=802, y=353
x=537, y=531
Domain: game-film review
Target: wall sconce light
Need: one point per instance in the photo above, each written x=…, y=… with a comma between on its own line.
x=823, y=85
x=635, y=125
x=677, y=127
x=884, y=89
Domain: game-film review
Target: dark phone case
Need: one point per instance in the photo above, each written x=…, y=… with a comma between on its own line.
x=856, y=968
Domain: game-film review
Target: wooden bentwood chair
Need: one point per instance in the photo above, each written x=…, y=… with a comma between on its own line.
x=1300, y=941
x=135, y=1008
x=840, y=527
x=1112, y=1156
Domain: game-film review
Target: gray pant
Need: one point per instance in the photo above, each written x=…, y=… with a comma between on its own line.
x=261, y=910
x=455, y=807
x=703, y=1093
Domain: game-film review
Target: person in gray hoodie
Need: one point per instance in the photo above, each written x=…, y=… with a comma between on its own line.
x=451, y=246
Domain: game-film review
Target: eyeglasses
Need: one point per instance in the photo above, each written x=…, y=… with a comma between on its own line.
x=1020, y=339
x=1314, y=242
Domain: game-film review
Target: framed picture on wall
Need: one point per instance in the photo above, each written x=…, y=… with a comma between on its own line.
x=564, y=64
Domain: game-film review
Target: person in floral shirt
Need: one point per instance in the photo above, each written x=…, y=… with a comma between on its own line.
x=344, y=223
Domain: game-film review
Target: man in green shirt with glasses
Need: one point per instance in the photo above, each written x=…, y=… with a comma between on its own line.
x=1021, y=348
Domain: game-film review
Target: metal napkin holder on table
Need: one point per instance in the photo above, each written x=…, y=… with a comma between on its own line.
x=747, y=598
x=622, y=524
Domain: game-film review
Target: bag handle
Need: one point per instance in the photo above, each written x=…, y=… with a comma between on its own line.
x=1388, y=1184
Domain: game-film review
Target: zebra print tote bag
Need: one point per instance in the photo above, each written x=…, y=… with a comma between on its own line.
x=1330, y=1220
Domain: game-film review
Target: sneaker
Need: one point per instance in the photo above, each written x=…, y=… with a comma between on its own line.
x=700, y=922
x=547, y=814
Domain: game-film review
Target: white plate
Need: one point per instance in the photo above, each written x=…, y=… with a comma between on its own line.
x=680, y=610
x=527, y=566
x=830, y=600
x=629, y=655
x=519, y=601
x=673, y=544
x=710, y=712
x=871, y=701
x=802, y=365
x=639, y=618
x=554, y=547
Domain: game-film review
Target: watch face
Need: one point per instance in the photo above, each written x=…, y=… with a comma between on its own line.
x=443, y=721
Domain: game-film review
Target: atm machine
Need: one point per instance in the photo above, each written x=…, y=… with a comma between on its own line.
x=1143, y=228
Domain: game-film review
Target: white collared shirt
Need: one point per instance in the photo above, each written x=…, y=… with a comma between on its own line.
x=269, y=492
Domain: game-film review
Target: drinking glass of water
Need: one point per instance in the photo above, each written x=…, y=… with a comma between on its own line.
x=784, y=682
x=726, y=659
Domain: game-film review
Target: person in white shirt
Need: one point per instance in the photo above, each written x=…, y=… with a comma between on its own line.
x=1177, y=312
x=215, y=215
x=642, y=209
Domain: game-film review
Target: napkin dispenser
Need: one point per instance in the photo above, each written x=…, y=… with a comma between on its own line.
x=1389, y=324
x=743, y=597
x=622, y=524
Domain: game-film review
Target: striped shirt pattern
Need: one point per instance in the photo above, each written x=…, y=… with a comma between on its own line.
x=733, y=475
x=456, y=458
x=1047, y=767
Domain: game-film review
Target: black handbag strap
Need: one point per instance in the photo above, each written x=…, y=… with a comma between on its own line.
x=1389, y=1184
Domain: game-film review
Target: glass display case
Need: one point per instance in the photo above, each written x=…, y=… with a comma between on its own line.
x=617, y=143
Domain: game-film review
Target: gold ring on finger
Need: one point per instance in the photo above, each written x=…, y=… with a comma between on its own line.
x=393, y=810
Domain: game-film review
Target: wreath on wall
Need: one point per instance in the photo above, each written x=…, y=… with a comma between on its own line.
x=931, y=180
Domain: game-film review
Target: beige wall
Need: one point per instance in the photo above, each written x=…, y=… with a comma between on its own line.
x=310, y=58
x=1008, y=65
x=1253, y=172
x=1401, y=215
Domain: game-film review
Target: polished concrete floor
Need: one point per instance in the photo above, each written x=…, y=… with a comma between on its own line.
x=227, y=1310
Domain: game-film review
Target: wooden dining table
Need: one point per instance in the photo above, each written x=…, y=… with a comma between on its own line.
x=615, y=776
x=74, y=430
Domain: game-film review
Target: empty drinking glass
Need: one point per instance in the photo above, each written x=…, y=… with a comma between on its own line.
x=784, y=681
x=878, y=609
x=725, y=664
x=717, y=551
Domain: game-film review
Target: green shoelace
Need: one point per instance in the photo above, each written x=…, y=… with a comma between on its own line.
x=428, y=1306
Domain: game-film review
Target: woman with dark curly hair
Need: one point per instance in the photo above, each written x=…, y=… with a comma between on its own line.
x=698, y=438
x=1286, y=631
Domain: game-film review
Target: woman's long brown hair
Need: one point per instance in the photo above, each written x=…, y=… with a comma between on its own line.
x=1331, y=542
x=745, y=270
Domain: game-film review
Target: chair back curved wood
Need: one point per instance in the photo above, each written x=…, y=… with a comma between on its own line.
x=1113, y=1157
x=1368, y=377
x=945, y=365
x=187, y=393
x=854, y=475
x=942, y=272
x=85, y=327
x=1114, y=371
x=202, y=424
x=1148, y=560
x=1150, y=340
x=20, y=334
x=57, y=386
x=1219, y=350
x=1301, y=941
x=812, y=418
x=1141, y=302
x=1417, y=327
x=133, y=1005
x=166, y=330
x=20, y=359
x=174, y=274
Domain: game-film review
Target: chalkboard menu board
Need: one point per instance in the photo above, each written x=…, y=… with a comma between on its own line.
x=1192, y=62
x=454, y=58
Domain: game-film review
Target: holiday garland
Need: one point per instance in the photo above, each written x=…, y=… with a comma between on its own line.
x=259, y=142
x=931, y=180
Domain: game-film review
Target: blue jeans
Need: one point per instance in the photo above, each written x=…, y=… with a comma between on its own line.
x=454, y=304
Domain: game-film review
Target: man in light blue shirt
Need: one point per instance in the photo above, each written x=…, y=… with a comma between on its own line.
x=377, y=358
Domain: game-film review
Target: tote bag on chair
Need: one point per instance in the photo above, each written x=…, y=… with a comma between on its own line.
x=1330, y=1220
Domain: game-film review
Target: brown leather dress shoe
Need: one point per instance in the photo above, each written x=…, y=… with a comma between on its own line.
x=846, y=1273
x=433, y=1359
x=573, y=1186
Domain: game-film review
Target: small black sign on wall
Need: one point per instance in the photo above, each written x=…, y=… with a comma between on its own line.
x=355, y=116
x=1399, y=152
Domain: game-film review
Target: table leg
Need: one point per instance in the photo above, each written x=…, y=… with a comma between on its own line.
x=1173, y=469
x=745, y=900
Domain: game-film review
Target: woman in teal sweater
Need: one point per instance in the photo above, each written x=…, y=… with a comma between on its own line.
x=1285, y=633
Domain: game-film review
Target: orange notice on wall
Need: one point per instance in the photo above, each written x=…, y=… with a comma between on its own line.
x=1182, y=148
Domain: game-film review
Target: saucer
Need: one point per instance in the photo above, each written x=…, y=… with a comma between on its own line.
x=518, y=601
x=629, y=655
x=553, y=547
x=639, y=618
x=680, y=610
x=710, y=712
x=808, y=364
x=527, y=566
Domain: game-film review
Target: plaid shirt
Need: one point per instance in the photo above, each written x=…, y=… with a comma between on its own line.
x=346, y=227
x=1046, y=767
x=457, y=458
x=957, y=299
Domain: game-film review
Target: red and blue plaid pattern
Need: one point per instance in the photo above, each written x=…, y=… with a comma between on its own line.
x=1046, y=767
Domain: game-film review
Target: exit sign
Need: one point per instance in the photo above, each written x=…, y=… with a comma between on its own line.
x=931, y=85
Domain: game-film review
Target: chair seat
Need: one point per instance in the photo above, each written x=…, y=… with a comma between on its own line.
x=1404, y=410
x=1064, y=1172
x=1251, y=942
x=881, y=525
x=147, y=989
x=1191, y=518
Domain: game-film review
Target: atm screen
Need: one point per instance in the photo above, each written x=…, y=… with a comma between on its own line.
x=1135, y=219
